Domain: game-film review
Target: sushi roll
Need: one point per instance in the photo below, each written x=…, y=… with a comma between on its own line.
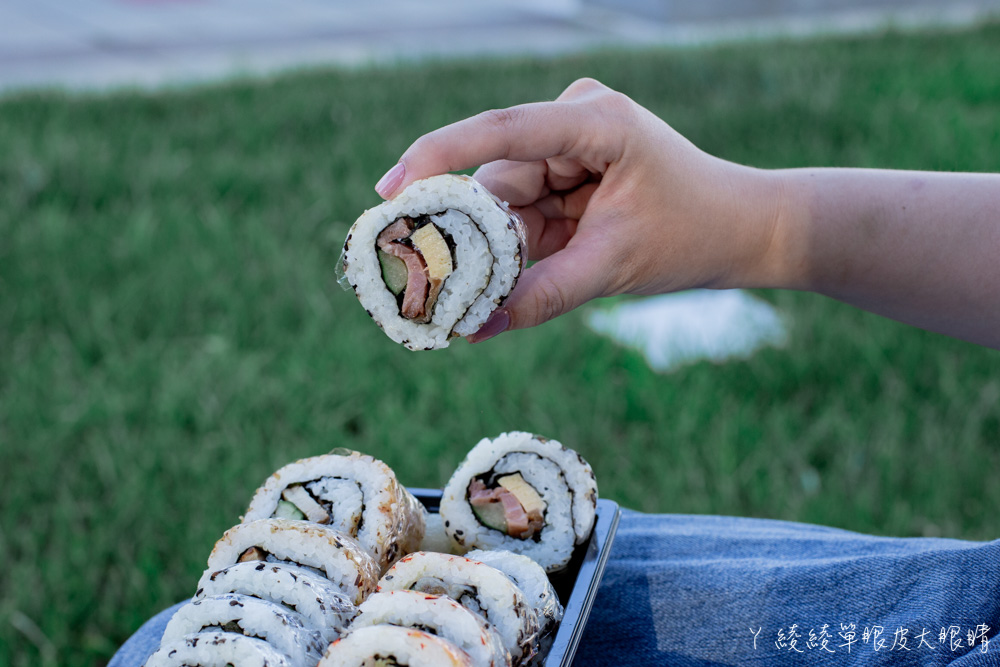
x=435, y=261
x=388, y=646
x=477, y=587
x=217, y=649
x=350, y=492
x=280, y=627
x=532, y=580
x=315, y=598
x=333, y=555
x=440, y=616
x=522, y=493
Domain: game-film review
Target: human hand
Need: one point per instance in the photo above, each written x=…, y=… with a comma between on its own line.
x=614, y=201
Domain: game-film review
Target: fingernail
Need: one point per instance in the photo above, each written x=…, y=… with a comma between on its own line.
x=388, y=183
x=496, y=324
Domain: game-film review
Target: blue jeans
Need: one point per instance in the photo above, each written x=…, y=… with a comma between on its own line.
x=707, y=590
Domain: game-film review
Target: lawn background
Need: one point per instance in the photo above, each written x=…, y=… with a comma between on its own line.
x=171, y=331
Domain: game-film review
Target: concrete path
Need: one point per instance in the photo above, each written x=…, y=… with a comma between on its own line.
x=106, y=43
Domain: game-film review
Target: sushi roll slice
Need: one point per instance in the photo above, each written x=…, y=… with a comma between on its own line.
x=532, y=580
x=523, y=493
x=217, y=649
x=315, y=598
x=477, y=587
x=435, y=261
x=244, y=615
x=350, y=492
x=388, y=646
x=440, y=616
x=333, y=555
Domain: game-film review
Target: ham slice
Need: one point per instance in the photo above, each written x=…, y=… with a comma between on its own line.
x=417, y=284
x=520, y=524
x=400, y=229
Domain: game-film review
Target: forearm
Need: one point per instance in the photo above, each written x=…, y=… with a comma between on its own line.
x=922, y=248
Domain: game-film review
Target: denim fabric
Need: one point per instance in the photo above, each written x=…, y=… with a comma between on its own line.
x=705, y=591
x=133, y=653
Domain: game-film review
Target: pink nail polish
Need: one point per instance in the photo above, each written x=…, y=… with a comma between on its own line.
x=496, y=324
x=388, y=183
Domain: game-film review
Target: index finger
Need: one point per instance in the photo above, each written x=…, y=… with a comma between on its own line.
x=523, y=133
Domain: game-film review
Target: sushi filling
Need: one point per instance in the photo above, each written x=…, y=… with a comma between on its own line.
x=336, y=502
x=416, y=258
x=511, y=506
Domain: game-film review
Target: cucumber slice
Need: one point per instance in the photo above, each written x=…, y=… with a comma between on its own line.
x=393, y=271
x=287, y=510
x=491, y=516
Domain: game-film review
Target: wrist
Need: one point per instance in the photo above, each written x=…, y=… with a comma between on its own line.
x=772, y=209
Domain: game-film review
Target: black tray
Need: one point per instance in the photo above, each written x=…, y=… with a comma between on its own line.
x=577, y=584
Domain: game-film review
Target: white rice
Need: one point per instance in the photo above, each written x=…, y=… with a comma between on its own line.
x=441, y=616
x=278, y=626
x=477, y=587
x=218, y=649
x=334, y=555
x=489, y=255
x=322, y=606
x=361, y=492
x=403, y=646
x=346, y=500
x=561, y=477
x=435, y=539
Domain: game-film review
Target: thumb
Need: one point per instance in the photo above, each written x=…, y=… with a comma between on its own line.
x=553, y=286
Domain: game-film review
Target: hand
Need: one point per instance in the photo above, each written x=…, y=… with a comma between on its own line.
x=615, y=201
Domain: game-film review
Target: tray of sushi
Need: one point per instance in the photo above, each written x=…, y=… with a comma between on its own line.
x=335, y=562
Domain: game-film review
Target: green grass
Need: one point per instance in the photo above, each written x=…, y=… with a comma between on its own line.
x=171, y=330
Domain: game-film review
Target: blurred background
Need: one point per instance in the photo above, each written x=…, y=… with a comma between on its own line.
x=100, y=43
x=177, y=178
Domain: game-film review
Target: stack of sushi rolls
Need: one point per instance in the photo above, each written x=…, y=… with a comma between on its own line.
x=353, y=493
x=435, y=261
x=285, y=583
x=523, y=493
x=287, y=587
